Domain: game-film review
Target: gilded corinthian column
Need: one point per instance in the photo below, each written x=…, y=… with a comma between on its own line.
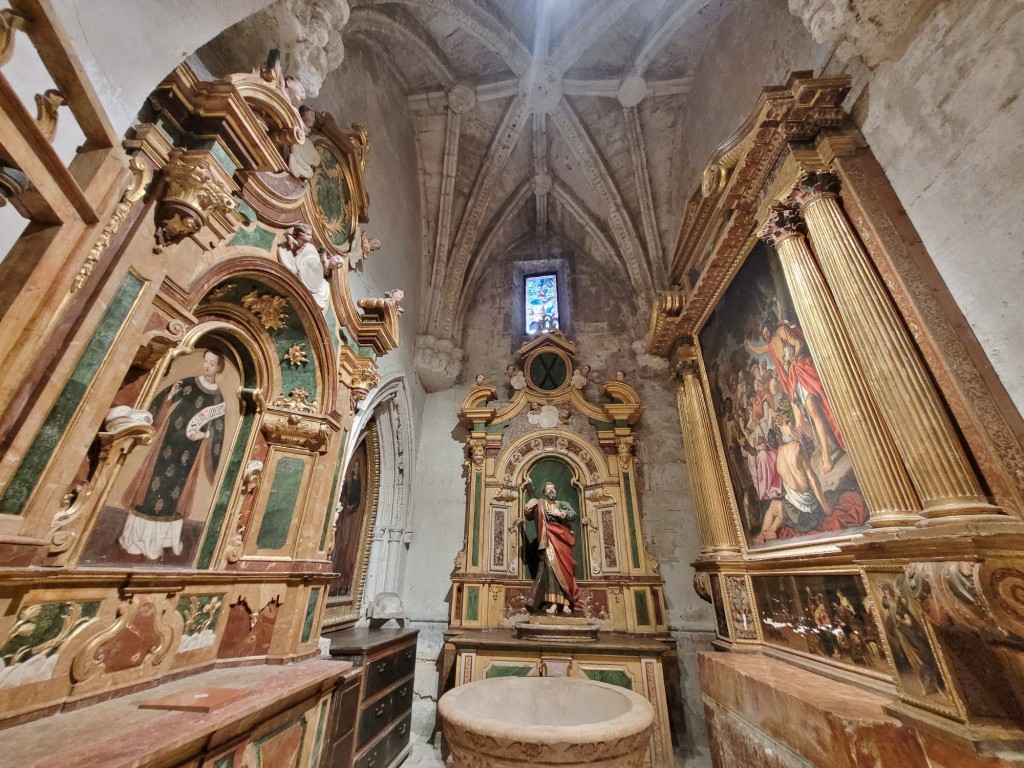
x=710, y=494
x=881, y=473
x=904, y=392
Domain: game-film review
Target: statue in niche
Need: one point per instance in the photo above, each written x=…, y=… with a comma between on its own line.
x=554, y=587
x=303, y=259
x=189, y=442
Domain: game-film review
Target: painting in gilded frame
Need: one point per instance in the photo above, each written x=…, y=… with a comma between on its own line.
x=786, y=456
x=159, y=506
x=352, y=509
x=826, y=615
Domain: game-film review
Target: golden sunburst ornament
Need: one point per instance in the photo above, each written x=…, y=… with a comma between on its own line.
x=296, y=355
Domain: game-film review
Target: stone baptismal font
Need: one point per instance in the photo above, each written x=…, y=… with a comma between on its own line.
x=505, y=722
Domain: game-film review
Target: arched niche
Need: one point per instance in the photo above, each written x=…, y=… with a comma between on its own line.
x=166, y=504
x=554, y=469
x=582, y=471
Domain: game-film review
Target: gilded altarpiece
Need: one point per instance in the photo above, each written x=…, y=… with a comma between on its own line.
x=171, y=459
x=538, y=429
x=857, y=476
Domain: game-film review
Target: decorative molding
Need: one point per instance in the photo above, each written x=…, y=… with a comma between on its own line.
x=296, y=431
x=142, y=175
x=196, y=190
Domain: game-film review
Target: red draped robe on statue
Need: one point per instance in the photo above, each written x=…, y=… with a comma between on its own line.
x=556, y=580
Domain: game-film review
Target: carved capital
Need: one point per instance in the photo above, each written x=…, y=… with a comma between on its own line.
x=477, y=453
x=783, y=223
x=192, y=193
x=297, y=431
x=815, y=185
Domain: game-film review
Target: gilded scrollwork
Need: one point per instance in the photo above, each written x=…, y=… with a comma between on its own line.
x=297, y=400
x=267, y=308
x=10, y=23
x=124, y=432
x=191, y=194
x=296, y=431
x=139, y=634
x=142, y=175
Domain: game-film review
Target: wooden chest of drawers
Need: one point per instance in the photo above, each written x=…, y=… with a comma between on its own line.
x=384, y=717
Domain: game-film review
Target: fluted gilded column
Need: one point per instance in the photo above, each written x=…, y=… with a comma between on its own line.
x=710, y=492
x=904, y=392
x=883, y=478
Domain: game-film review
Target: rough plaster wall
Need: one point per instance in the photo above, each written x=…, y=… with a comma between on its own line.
x=757, y=44
x=127, y=48
x=944, y=120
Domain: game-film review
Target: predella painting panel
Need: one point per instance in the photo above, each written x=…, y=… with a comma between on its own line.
x=909, y=644
x=785, y=453
x=826, y=615
x=159, y=506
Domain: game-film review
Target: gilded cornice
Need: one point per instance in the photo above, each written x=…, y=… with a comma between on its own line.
x=719, y=220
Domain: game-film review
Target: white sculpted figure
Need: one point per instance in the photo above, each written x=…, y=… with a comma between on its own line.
x=304, y=158
x=300, y=257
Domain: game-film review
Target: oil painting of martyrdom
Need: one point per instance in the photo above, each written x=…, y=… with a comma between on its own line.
x=351, y=511
x=158, y=509
x=784, y=450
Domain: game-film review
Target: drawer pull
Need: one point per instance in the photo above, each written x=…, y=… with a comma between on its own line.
x=402, y=729
x=409, y=653
x=371, y=762
x=379, y=711
x=404, y=692
x=381, y=667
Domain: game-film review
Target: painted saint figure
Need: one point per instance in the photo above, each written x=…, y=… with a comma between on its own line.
x=189, y=439
x=798, y=376
x=554, y=587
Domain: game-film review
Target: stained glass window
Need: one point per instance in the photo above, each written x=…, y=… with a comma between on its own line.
x=541, y=303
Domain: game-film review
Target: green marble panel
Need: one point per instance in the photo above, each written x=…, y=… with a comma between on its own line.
x=277, y=518
x=611, y=676
x=21, y=485
x=259, y=237
x=472, y=603
x=39, y=632
x=199, y=613
x=508, y=670
x=477, y=504
x=227, y=486
x=228, y=761
x=643, y=614
x=307, y=623
x=314, y=761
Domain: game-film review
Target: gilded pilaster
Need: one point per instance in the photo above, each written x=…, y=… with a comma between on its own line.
x=904, y=392
x=881, y=473
x=710, y=494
